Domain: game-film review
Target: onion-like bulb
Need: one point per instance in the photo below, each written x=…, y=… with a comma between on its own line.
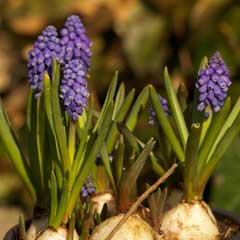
x=189, y=221
x=135, y=228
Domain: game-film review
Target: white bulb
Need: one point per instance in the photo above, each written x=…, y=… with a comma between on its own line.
x=189, y=221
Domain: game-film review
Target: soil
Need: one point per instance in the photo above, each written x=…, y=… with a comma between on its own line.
x=227, y=229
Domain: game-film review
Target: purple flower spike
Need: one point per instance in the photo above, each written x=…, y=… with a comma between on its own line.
x=41, y=56
x=152, y=114
x=88, y=188
x=213, y=83
x=75, y=42
x=73, y=89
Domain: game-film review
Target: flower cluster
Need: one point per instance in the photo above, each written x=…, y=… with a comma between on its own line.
x=213, y=83
x=152, y=114
x=88, y=187
x=72, y=50
x=73, y=89
x=41, y=56
x=74, y=40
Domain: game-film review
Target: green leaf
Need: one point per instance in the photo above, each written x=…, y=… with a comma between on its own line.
x=228, y=138
x=57, y=118
x=61, y=216
x=140, y=102
x=21, y=228
x=156, y=167
x=205, y=126
x=213, y=131
x=128, y=184
x=165, y=125
x=90, y=159
x=122, y=112
x=129, y=136
x=47, y=100
x=40, y=138
x=107, y=165
x=191, y=161
x=119, y=99
x=83, y=141
x=228, y=123
x=32, y=144
x=14, y=152
x=54, y=197
x=108, y=100
x=118, y=161
x=176, y=109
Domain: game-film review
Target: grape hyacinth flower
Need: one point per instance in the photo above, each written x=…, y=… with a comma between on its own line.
x=73, y=89
x=152, y=114
x=41, y=56
x=213, y=83
x=75, y=42
x=88, y=187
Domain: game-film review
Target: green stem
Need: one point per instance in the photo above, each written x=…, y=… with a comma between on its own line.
x=71, y=140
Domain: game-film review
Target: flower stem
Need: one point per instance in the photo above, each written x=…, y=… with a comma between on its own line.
x=71, y=140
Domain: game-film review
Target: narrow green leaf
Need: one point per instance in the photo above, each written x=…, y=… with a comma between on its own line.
x=14, y=152
x=118, y=161
x=214, y=129
x=108, y=100
x=32, y=143
x=40, y=135
x=128, y=184
x=128, y=135
x=57, y=118
x=122, y=112
x=21, y=227
x=230, y=135
x=54, y=197
x=156, y=167
x=83, y=141
x=182, y=97
x=165, y=125
x=205, y=126
x=136, y=168
x=90, y=159
x=228, y=123
x=191, y=161
x=176, y=109
x=107, y=165
x=47, y=100
x=139, y=104
x=119, y=99
x=61, y=216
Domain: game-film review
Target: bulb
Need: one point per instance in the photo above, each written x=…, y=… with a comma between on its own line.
x=189, y=221
x=134, y=228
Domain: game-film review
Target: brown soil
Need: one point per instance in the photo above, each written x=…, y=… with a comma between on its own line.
x=227, y=229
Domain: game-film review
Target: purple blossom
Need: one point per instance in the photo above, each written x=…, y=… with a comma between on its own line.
x=75, y=42
x=46, y=47
x=152, y=114
x=73, y=90
x=213, y=83
x=88, y=187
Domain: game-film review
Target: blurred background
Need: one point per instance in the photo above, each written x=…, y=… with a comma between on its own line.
x=136, y=37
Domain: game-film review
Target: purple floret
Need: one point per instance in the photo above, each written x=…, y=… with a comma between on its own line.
x=213, y=83
x=75, y=42
x=88, y=188
x=73, y=90
x=41, y=56
x=152, y=114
